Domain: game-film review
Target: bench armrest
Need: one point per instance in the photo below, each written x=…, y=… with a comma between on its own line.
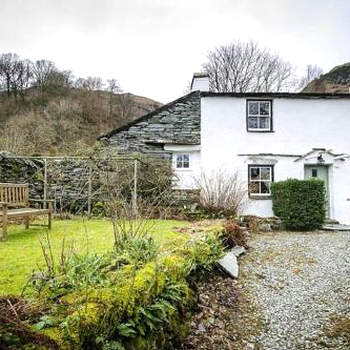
x=49, y=202
x=4, y=205
x=42, y=200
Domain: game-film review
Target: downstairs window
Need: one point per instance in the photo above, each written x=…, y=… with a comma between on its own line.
x=182, y=161
x=260, y=179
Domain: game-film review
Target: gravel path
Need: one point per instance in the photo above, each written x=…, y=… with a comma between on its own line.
x=300, y=284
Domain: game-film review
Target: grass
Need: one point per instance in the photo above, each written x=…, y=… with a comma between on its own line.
x=21, y=254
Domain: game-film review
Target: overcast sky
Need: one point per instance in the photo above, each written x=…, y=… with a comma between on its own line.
x=153, y=46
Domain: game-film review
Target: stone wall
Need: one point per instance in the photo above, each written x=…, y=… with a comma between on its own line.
x=22, y=171
x=67, y=179
x=177, y=122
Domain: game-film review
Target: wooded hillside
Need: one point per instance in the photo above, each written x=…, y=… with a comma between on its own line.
x=337, y=80
x=44, y=110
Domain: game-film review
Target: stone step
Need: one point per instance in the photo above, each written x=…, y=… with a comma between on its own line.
x=331, y=221
x=336, y=227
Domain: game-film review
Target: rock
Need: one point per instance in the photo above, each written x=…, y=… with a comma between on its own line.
x=265, y=227
x=238, y=250
x=201, y=328
x=229, y=264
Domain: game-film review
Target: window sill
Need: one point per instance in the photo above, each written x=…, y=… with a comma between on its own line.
x=257, y=197
x=260, y=131
x=183, y=170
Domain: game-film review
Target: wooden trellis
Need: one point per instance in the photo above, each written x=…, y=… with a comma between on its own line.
x=45, y=161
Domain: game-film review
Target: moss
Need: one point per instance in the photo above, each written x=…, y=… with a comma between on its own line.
x=338, y=327
x=16, y=169
x=88, y=312
x=38, y=176
x=174, y=266
x=53, y=332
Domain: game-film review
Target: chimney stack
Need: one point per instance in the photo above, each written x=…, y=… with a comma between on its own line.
x=200, y=81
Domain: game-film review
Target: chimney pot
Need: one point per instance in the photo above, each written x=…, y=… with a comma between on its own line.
x=200, y=81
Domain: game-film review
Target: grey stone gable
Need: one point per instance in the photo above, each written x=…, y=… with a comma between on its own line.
x=177, y=122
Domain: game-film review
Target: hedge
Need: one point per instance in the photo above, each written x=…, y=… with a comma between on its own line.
x=300, y=204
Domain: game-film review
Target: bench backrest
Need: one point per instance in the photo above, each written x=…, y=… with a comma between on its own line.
x=16, y=195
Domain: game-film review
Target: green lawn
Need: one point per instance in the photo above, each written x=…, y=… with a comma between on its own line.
x=21, y=254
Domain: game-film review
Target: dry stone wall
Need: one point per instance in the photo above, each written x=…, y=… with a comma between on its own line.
x=21, y=171
x=67, y=179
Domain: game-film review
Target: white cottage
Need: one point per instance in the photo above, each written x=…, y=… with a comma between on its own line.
x=265, y=137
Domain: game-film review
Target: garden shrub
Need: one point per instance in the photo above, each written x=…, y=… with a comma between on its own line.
x=222, y=194
x=124, y=299
x=300, y=204
x=233, y=235
x=154, y=183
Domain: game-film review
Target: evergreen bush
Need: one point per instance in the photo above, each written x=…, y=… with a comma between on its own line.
x=300, y=204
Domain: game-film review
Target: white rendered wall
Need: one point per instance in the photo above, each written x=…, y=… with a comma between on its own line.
x=200, y=83
x=185, y=179
x=298, y=124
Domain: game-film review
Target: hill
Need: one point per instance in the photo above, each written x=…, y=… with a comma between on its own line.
x=64, y=120
x=336, y=80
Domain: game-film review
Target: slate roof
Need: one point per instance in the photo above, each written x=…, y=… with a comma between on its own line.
x=148, y=115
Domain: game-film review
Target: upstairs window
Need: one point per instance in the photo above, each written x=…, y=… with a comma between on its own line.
x=182, y=161
x=259, y=115
x=260, y=179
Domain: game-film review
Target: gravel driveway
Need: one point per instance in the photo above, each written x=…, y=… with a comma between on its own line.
x=300, y=286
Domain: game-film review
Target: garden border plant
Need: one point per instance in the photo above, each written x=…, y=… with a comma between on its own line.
x=124, y=299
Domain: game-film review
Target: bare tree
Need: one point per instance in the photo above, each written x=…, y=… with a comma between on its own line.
x=60, y=79
x=26, y=76
x=112, y=88
x=245, y=67
x=90, y=83
x=8, y=62
x=312, y=72
x=125, y=108
x=15, y=74
x=42, y=72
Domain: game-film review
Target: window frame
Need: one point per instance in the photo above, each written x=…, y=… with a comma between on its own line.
x=270, y=129
x=272, y=176
x=182, y=168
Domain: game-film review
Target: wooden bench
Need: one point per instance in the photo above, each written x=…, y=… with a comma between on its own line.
x=16, y=197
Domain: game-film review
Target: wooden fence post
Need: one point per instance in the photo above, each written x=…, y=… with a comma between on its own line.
x=134, y=193
x=45, y=183
x=4, y=222
x=89, y=189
